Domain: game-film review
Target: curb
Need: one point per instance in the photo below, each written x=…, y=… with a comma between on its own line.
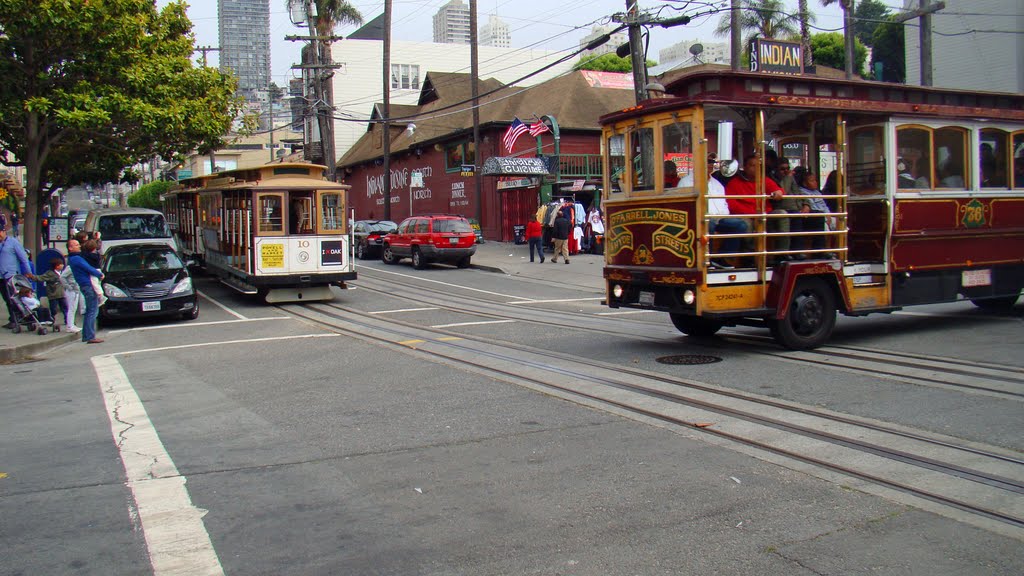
x=487, y=268
x=10, y=354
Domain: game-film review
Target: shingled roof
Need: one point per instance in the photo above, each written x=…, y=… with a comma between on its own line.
x=444, y=111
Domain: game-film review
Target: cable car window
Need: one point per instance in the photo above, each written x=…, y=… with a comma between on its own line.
x=1018, y=160
x=677, y=147
x=950, y=157
x=616, y=161
x=270, y=214
x=642, y=143
x=332, y=217
x=992, y=157
x=866, y=172
x=913, y=165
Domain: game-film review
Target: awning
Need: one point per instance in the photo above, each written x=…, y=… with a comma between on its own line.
x=513, y=166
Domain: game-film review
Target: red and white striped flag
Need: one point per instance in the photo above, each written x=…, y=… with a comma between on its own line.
x=538, y=128
x=513, y=133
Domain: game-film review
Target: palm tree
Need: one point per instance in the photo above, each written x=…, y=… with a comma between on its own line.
x=334, y=13
x=847, y=6
x=764, y=18
x=805, y=32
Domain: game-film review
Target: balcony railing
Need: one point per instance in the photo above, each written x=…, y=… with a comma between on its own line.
x=585, y=166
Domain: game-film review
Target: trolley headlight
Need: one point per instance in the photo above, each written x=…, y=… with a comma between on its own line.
x=113, y=291
x=689, y=297
x=183, y=287
x=617, y=291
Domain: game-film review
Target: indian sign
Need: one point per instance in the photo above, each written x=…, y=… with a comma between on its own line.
x=774, y=57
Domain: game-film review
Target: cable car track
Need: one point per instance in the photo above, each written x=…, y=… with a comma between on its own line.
x=1008, y=381
x=393, y=333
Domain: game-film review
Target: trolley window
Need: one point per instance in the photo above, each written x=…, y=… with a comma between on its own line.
x=866, y=172
x=677, y=143
x=1018, y=160
x=332, y=212
x=616, y=163
x=993, y=155
x=644, y=174
x=270, y=214
x=950, y=154
x=913, y=166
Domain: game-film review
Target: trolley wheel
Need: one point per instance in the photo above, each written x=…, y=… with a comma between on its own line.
x=361, y=251
x=463, y=262
x=387, y=255
x=41, y=331
x=1001, y=304
x=810, y=316
x=417, y=259
x=695, y=325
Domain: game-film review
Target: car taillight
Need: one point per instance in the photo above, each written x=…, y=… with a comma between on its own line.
x=373, y=237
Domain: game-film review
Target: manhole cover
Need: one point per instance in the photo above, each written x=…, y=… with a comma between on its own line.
x=689, y=359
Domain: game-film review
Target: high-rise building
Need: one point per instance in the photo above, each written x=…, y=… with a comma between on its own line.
x=244, y=36
x=495, y=33
x=609, y=47
x=451, y=23
x=710, y=53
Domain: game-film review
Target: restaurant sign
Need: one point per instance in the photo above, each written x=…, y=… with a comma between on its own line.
x=775, y=57
x=513, y=166
x=512, y=182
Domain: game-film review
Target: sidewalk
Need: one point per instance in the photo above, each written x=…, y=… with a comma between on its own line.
x=584, y=271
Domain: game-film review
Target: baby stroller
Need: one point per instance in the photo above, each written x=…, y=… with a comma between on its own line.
x=23, y=317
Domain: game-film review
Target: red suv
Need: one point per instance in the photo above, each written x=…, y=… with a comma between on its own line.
x=431, y=238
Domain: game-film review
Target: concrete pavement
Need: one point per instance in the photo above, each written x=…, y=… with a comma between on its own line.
x=584, y=270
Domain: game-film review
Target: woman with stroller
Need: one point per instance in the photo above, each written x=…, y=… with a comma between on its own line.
x=84, y=272
x=13, y=261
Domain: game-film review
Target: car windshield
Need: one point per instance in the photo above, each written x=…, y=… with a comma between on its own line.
x=143, y=259
x=451, y=225
x=382, y=226
x=128, y=226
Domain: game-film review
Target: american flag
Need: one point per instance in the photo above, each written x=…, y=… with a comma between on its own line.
x=513, y=133
x=538, y=128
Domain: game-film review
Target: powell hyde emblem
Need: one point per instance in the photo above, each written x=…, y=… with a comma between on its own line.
x=673, y=233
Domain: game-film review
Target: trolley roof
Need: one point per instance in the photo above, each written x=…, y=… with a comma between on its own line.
x=275, y=176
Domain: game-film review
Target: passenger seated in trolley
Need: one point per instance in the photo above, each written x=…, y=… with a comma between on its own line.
x=717, y=206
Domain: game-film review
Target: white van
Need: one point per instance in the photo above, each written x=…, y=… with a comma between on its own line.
x=120, y=226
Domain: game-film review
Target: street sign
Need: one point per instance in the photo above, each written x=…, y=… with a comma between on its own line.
x=416, y=179
x=58, y=229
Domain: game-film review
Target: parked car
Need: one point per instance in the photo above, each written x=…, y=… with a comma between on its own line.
x=431, y=238
x=77, y=225
x=122, y=226
x=369, y=235
x=143, y=280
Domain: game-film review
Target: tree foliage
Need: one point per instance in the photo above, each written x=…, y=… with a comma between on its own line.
x=148, y=195
x=830, y=50
x=887, y=48
x=868, y=16
x=92, y=87
x=764, y=18
x=609, y=63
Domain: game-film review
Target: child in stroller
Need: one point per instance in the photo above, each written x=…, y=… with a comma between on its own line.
x=27, y=311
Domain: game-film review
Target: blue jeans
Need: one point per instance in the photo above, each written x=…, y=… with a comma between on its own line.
x=730, y=226
x=92, y=309
x=538, y=244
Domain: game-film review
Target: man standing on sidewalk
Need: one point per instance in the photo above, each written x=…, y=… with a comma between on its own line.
x=13, y=260
x=560, y=234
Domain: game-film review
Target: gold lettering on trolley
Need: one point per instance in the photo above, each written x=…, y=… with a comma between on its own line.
x=669, y=279
x=674, y=234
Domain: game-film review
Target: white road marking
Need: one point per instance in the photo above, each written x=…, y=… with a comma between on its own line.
x=176, y=537
x=205, y=344
x=549, y=301
x=445, y=283
x=223, y=307
x=627, y=312
x=935, y=315
x=402, y=310
x=472, y=323
x=194, y=324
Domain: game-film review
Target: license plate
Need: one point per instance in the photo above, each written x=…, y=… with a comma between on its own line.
x=453, y=240
x=647, y=298
x=971, y=278
x=150, y=306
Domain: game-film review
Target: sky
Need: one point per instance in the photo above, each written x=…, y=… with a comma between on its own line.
x=543, y=24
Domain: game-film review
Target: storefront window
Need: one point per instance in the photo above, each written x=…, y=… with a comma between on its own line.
x=678, y=155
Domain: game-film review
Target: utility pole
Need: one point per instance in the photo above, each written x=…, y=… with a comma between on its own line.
x=636, y=52
x=924, y=12
x=474, y=67
x=736, y=43
x=322, y=110
x=204, y=50
x=848, y=37
x=386, y=136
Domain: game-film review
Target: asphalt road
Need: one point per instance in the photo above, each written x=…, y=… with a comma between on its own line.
x=360, y=438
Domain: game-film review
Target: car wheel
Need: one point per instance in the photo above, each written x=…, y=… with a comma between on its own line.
x=810, y=317
x=387, y=255
x=361, y=251
x=695, y=325
x=464, y=262
x=191, y=314
x=1001, y=304
x=418, y=262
